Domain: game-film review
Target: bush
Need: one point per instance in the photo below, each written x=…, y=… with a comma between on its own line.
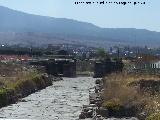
x=39, y=82
x=3, y=97
x=114, y=108
x=23, y=88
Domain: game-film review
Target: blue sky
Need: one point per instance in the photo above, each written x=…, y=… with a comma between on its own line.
x=109, y=16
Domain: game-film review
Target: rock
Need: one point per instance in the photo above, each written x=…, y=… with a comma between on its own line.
x=103, y=111
x=89, y=114
x=82, y=115
x=57, y=78
x=99, y=117
x=142, y=116
x=95, y=99
x=98, y=81
x=23, y=100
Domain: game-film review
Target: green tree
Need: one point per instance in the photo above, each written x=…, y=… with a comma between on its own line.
x=101, y=53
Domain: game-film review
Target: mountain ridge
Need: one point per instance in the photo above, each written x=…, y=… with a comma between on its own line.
x=13, y=21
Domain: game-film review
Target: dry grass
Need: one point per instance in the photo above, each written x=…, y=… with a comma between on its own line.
x=117, y=89
x=11, y=73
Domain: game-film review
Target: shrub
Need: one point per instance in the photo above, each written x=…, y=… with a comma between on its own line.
x=39, y=82
x=3, y=97
x=22, y=87
x=114, y=108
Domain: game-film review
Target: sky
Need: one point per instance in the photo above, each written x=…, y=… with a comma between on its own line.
x=107, y=16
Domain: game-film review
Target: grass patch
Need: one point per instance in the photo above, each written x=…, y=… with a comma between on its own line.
x=22, y=88
x=119, y=92
x=3, y=97
x=155, y=116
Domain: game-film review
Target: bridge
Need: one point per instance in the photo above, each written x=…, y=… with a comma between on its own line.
x=107, y=66
x=58, y=66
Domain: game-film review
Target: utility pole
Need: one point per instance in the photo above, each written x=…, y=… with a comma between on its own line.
x=118, y=53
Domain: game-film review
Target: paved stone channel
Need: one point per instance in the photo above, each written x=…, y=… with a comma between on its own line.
x=61, y=101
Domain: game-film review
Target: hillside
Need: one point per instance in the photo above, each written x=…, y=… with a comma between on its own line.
x=17, y=27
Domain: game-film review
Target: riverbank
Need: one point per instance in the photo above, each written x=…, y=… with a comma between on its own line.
x=132, y=95
x=94, y=110
x=15, y=90
x=123, y=95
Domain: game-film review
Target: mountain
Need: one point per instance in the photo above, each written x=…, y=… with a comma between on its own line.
x=17, y=27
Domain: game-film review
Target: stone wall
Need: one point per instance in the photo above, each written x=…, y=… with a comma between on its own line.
x=58, y=67
x=107, y=66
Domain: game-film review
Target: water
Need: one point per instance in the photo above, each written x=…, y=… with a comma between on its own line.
x=61, y=101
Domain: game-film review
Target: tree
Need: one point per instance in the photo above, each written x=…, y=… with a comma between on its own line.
x=101, y=53
x=63, y=52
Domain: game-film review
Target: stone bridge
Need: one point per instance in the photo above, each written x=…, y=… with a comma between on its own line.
x=58, y=67
x=107, y=66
